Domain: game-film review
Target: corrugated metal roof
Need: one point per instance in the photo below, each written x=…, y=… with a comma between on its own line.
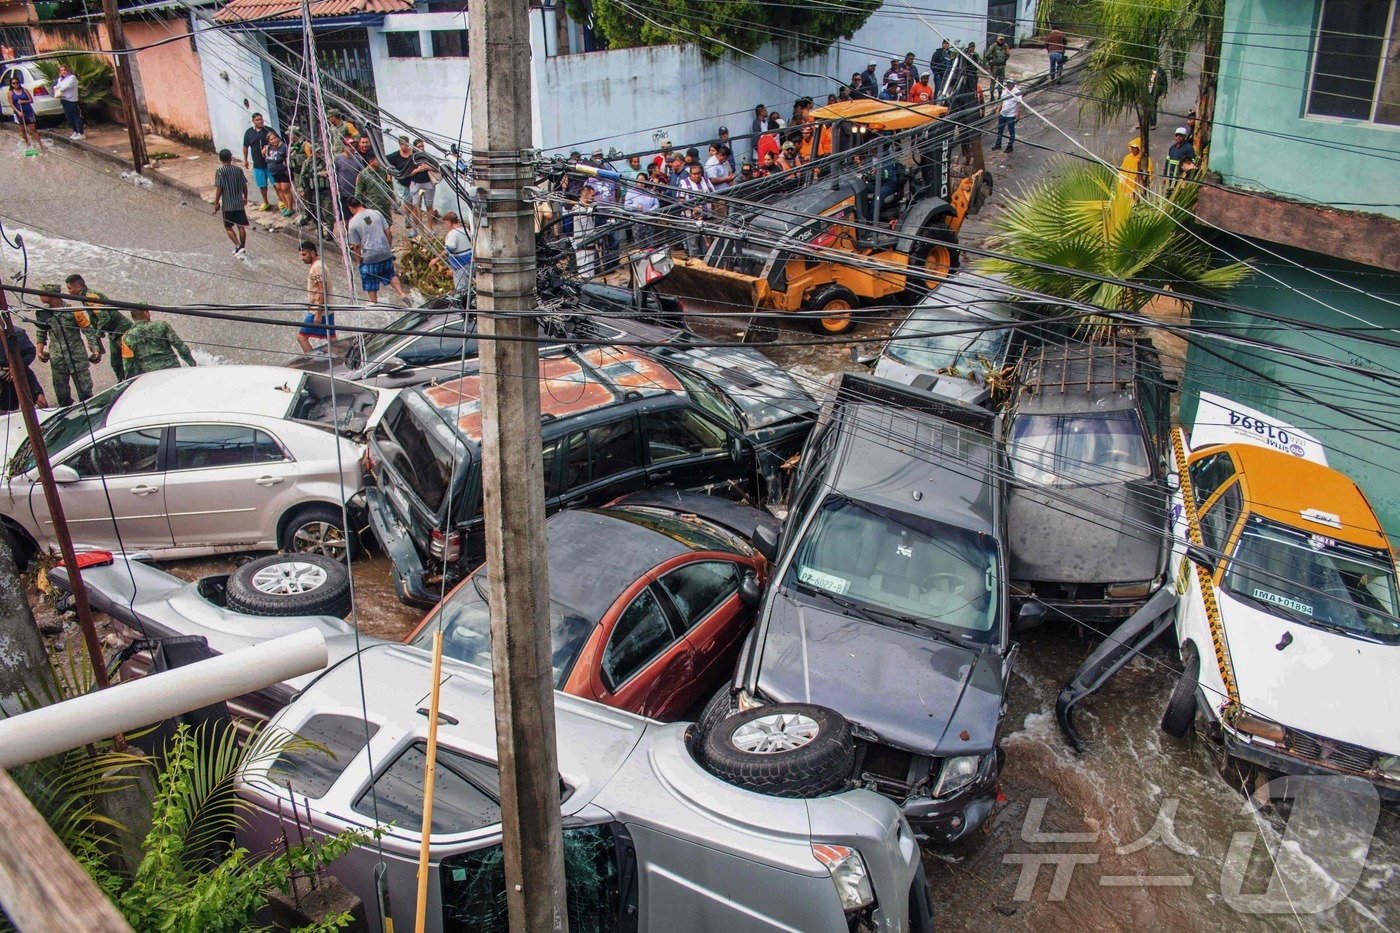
x=245, y=10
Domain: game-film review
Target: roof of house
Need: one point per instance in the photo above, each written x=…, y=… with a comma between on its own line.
x=246, y=10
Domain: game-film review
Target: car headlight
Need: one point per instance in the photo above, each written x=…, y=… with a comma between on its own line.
x=1131, y=590
x=1258, y=727
x=1389, y=766
x=956, y=774
x=848, y=873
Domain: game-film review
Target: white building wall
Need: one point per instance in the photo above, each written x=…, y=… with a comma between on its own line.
x=422, y=97
x=237, y=83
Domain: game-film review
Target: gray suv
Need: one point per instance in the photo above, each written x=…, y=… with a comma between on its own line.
x=652, y=841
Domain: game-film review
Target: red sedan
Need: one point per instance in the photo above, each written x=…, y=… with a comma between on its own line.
x=650, y=599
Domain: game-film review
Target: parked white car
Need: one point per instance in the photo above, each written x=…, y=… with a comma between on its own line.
x=1289, y=620
x=46, y=102
x=192, y=461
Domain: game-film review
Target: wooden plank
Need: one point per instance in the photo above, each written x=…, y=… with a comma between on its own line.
x=41, y=886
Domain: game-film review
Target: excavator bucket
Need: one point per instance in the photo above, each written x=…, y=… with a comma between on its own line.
x=691, y=279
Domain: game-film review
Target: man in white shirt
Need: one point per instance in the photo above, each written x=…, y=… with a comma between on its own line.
x=696, y=188
x=1006, y=118
x=457, y=254
x=67, y=90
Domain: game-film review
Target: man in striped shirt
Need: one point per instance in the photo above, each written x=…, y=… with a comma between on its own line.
x=231, y=198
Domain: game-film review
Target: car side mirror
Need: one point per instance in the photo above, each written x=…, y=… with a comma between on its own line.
x=63, y=474
x=766, y=540
x=736, y=448
x=863, y=355
x=1199, y=556
x=393, y=365
x=750, y=591
x=1032, y=615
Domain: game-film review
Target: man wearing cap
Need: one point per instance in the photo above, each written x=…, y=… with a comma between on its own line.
x=868, y=82
x=676, y=170
x=1006, y=117
x=1181, y=158
x=891, y=91
x=757, y=128
x=921, y=92
x=664, y=154
x=939, y=64
x=894, y=73
x=997, y=57
x=60, y=334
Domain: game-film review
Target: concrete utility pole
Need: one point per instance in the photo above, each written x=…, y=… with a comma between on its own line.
x=126, y=85
x=503, y=166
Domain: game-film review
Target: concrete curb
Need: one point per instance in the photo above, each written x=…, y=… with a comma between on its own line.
x=155, y=176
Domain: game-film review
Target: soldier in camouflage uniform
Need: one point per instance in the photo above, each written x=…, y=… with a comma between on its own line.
x=315, y=190
x=108, y=321
x=151, y=345
x=60, y=335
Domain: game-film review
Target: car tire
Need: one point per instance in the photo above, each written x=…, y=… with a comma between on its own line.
x=1181, y=707
x=290, y=585
x=319, y=529
x=831, y=310
x=720, y=707
x=783, y=750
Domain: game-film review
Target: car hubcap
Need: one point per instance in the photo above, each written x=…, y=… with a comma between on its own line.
x=319, y=538
x=779, y=732
x=289, y=578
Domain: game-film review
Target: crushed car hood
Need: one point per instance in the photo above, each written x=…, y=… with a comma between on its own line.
x=1331, y=685
x=1108, y=525
x=914, y=692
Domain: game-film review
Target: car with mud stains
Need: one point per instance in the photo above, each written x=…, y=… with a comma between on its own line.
x=1289, y=619
x=888, y=601
x=614, y=421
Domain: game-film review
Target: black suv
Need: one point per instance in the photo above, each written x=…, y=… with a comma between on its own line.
x=888, y=598
x=1088, y=436
x=615, y=421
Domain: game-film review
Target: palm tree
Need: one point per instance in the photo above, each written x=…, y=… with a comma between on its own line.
x=1083, y=221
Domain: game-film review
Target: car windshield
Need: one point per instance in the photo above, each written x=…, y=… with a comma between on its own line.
x=465, y=620
x=377, y=344
x=908, y=567
x=1079, y=449
x=942, y=338
x=708, y=397
x=420, y=447
x=1316, y=580
x=69, y=426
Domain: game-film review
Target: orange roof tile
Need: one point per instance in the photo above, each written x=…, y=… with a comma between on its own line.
x=244, y=10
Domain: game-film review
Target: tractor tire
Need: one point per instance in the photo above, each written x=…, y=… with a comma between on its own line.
x=831, y=310
x=932, y=258
x=290, y=585
x=784, y=750
x=1181, y=708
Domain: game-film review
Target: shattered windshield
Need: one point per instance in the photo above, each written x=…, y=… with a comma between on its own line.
x=901, y=565
x=942, y=338
x=474, y=886
x=465, y=619
x=1078, y=450
x=69, y=426
x=1316, y=580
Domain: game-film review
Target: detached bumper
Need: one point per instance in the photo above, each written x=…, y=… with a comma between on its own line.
x=407, y=566
x=1286, y=763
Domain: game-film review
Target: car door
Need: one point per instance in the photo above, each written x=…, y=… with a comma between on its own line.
x=117, y=501
x=705, y=597
x=227, y=484
x=646, y=664
x=601, y=463
x=688, y=449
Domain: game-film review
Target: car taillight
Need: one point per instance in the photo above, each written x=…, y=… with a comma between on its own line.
x=40, y=91
x=445, y=547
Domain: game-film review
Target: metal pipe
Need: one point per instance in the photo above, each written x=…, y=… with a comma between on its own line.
x=425, y=845
x=93, y=716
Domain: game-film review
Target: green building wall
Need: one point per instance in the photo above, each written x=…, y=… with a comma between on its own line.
x=1264, y=66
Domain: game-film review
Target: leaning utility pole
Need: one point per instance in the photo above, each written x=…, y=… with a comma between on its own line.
x=502, y=166
x=125, y=62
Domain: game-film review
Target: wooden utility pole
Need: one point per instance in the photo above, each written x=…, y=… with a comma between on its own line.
x=125, y=63
x=40, y=451
x=503, y=165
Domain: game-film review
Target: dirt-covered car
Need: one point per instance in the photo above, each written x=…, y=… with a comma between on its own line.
x=888, y=603
x=186, y=462
x=1289, y=619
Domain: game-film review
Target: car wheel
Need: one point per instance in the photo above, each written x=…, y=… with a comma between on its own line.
x=785, y=750
x=1181, y=708
x=720, y=707
x=829, y=310
x=318, y=529
x=290, y=585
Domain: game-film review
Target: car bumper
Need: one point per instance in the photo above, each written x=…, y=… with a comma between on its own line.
x=1284, y=763
x=1105, y=609
x=407, y=571
x=941, y=822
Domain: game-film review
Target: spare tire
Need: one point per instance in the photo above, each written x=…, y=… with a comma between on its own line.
x=784, y=750
x=290, y=585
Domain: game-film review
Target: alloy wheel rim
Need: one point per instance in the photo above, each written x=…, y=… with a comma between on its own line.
x=319, y=538
x=289, y=578
x=775, y=733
